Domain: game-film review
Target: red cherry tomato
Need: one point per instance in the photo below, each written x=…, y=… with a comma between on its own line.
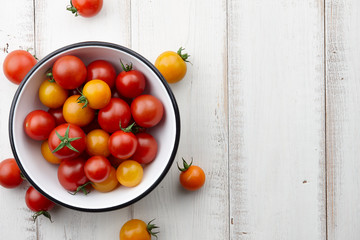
x=116, y=111
x=103, y=70
x=67, y=141
x=69, y=72
x=122, y=144
x=146, y=150
x=57, y=113
x=71, y=174
x=130, y=83
x=17, y=64
x=38, y=124
x=147, y=110
x=38, y=203
x=97, y=169
x=85, y=8
x=10, y=175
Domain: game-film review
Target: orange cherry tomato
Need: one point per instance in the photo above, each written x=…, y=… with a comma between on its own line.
x=96, y=94
x=129, y=173
x=47, y=154
x=76, y=113
x=191, y=177
x=109, y=184
x=172, y=65
x=97, y=143
x=136, y=229
x=52, y=95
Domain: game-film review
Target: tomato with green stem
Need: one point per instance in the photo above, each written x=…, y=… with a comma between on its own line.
x=47, y=154
x=191, y=177
x=130, y=83
x=67, y=141
x=77, y=113
x=38, y=124
x=10, y=175
x=112, y=114
x=172, y=65
x=96, y=94
x=71, y=175
x=123, y=143
x=85, y=8
x=103, y=70
x=38, y=203
x=17, y=64
x=129, y=173
x=136, y=229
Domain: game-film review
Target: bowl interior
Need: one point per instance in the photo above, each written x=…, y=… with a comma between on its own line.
x=43, y=175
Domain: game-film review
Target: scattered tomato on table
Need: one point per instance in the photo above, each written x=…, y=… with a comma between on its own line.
x=85, y=8
x=17, y=64
x=38, y=203
x=191, y=177
x=136, y=229
x=172, y=65
x=10, y=175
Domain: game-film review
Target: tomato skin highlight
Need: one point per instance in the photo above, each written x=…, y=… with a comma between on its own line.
x=97, y=93
x=146, y=150
x=69, y=72
x=97, y=142
x=147, y=110
x=74, y=112
x=71, y=174
x=17, y=64
x=87, y=8
x=103, y=70
x=97, y=169
x=10, y=175
x=52, y=95
x=38, y=124
x=74, y=132
x=36, y=201
x=130, y=84
x=116, y=111
x=122, y=144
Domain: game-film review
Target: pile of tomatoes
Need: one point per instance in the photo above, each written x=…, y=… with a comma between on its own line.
x=95, y=128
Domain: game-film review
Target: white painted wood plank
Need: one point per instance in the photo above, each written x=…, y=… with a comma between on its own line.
x=276, y=113
x=16, y=32
x=343, y=117
x=55, y=27
x=200, y=27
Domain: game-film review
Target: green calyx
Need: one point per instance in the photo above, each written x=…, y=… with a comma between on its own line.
x=128, y=128
x=39, y=213
x=150, y=227
x=83, y=99
x=185, y=165
x=82, y=188
x=126, y=67
x=184, y=56
x=50, y=75
x=65, y=141
x=72, y=9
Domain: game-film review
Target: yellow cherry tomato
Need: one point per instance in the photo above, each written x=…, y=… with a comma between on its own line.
x=172, y=65
x=76, y=113
x=129, y=173
x=97, y=143
x=136, y=229
x=47, y=154
x=52, y=95
x=96, y=93
x=109, y=184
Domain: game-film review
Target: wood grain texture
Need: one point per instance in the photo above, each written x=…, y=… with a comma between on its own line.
x=54, y=28
x=200, y=27
x=342, y=118
x=276, y=120
x=15, y=33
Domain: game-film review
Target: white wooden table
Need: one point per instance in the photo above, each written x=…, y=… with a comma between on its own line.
x=270, y=108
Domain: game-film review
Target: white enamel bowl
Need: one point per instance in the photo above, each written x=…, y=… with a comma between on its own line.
x=43, y=175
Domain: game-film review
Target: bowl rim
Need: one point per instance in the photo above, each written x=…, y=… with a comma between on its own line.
x=143, y=60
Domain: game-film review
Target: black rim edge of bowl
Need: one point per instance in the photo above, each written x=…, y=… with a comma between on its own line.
x=141, y=58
